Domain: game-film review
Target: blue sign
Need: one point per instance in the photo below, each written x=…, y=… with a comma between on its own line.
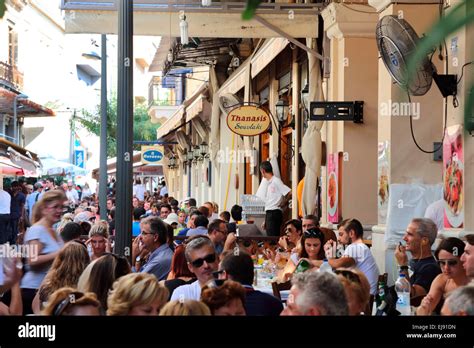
x=79, y=158
x=152, y=156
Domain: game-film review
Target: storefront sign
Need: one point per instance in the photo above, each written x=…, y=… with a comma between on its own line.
x=248, y=120
x=152, y=154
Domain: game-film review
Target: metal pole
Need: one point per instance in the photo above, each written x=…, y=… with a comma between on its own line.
x=103, y=133
x=123, y=235
x=15, y=119
x=72, y=138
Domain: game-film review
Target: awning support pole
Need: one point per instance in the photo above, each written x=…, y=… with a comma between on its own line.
x=286, y=36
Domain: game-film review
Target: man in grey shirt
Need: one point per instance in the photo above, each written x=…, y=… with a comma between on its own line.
x=154, y=239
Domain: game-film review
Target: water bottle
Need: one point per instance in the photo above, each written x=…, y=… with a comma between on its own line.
x=325, y=267
x=402, y=287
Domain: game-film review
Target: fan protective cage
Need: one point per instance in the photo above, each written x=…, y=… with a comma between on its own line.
x=396, y=41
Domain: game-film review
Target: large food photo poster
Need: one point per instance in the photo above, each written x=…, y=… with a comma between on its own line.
x=333, y=188
x=453, y=178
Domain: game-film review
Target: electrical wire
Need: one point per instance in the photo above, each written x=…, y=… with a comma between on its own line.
x=462, y=71
x=444, y=130
x=445, y=99
x=353, y=9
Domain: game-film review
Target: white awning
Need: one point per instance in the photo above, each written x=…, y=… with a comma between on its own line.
x=270, y=49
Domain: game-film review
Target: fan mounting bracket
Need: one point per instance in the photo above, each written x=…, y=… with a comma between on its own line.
x=337, y=111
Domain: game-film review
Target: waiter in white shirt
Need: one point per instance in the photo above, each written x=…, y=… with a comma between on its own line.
x=276, y=195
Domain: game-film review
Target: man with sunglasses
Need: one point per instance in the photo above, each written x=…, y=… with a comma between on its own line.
x=276, y=195
x=203, y=262
x=153, y=236
x=219, y=235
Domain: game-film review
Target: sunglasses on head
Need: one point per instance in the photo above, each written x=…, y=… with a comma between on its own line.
x=211, y=258
x=71, y=298
x=348, y=275
x=451, y=263
x=314, y=233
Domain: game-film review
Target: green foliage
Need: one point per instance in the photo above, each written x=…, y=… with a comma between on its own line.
x=143, y=129
x=3, y=8
x=250, y=9
x=459, y=17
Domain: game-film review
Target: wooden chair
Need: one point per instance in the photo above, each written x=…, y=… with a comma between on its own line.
x=277, y=287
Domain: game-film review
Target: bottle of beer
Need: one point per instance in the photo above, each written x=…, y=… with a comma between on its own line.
x=303, y=266
x=380, y=302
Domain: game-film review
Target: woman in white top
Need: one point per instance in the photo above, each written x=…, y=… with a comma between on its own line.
x=43, y=244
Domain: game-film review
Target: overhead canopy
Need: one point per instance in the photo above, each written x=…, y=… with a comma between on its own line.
x=54, y=167
x=17, y=160
x=221, y=19
x=25, y=107
x=139, y=168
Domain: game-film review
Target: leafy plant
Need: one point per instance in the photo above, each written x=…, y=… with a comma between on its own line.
x=460, y=16
x=143, y=129
x=3, y=8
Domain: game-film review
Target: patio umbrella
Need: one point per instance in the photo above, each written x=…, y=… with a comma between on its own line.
x=311, y=143
x=53, y=167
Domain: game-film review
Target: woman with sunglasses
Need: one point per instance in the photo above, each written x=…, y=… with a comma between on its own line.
x=292, y=238
x=311, y=250
x=452, y=277
x=46, y=243
x=357, y=289
x=67, y=301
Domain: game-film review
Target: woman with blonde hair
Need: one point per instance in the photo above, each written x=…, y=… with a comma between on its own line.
x=68, y=301
x=357, y=289
x=67, y=218
x=137, y=294
x=185, y=308
x=99, y=239
x=65, y=272
x=44, y=241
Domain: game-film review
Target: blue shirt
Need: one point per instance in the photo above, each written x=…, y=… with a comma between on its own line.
x=159, y=262
x=30, y=202
x=201, y=230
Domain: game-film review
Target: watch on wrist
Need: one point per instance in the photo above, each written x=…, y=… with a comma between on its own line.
x=138, y=258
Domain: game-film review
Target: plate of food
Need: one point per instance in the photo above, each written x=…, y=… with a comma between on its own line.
x=453, y=192
x=332, y=194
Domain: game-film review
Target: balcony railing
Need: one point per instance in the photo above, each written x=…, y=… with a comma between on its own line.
x=11, y=76
x=159, y=95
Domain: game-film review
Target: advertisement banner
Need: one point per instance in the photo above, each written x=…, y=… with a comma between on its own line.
x=453, y=178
